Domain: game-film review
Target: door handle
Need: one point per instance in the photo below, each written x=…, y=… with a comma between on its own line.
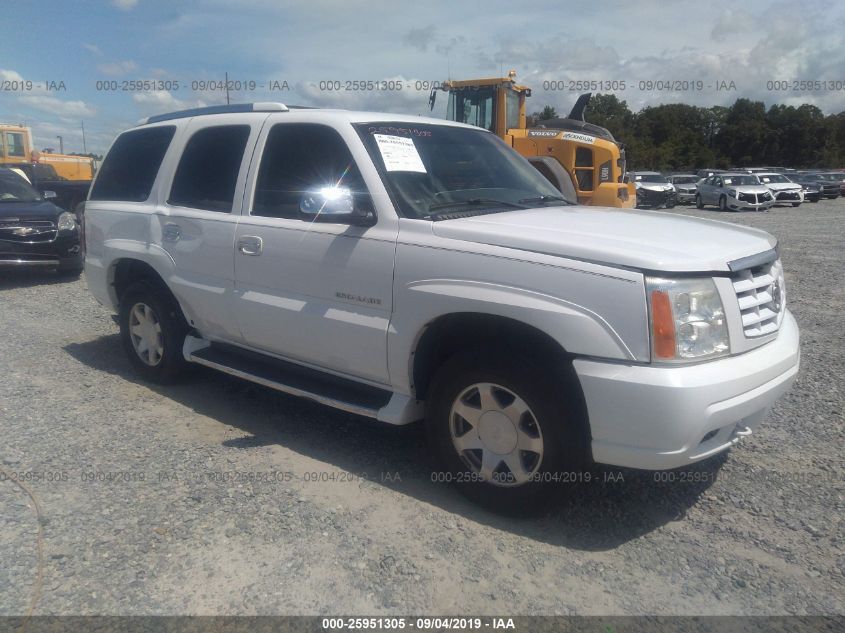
x=171, y=233
x=250, y=245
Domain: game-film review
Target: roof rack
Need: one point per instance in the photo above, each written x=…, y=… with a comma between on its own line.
x=262, y=106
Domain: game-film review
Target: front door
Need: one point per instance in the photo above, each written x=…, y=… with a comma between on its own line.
x=314, y=292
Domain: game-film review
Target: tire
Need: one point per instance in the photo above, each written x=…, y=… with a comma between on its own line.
x=154, y=315
x=699, y=203
x=548, y=424
x=796, y=204
x=723, y=203
x=670, y=205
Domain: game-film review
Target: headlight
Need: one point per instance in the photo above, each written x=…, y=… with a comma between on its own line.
x=732, y=193
x=67, y=222
x=687, y=319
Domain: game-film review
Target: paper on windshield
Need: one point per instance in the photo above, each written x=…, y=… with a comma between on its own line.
x=399, y=153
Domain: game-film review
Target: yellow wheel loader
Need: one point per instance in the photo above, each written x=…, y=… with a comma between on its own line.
x=568, y=151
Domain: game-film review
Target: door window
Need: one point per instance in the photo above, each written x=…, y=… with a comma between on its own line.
x=209, y=167
x=15, y=146
x=300, y=157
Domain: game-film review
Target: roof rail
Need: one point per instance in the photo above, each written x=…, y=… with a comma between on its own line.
x=262, y=106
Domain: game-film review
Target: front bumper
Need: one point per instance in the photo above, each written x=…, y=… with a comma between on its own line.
x=654, y=417
x=743, y=205
x=685, y=197
x=789, y=197
x=62, y=253
x=652, y=198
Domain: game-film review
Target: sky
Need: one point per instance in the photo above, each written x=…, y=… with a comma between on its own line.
x=80, y=56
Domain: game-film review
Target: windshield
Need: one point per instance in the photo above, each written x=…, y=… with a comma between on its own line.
x=430, y=170
x=773, y=178
x=741, y=180
x=13, y=188
x=650, y=178
x=685, y=180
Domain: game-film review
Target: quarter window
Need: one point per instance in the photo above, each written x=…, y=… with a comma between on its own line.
x=208, y=170
x=130, y=168
x=299, y=157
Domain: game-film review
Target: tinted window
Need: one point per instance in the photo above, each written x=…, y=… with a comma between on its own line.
x=299, y=157
x=209, y=167
x=130, y=169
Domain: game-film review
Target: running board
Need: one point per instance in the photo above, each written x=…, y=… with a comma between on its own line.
x=290, y=378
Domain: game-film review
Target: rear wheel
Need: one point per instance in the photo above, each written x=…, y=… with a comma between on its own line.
x=153, y=332
x=503, y=432
x=699, y=203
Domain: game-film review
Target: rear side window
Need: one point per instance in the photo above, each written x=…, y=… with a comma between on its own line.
x=130, y=169
x=209, y=167
x=299, y=157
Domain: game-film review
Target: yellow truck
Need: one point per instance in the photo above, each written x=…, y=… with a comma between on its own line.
x=67, y=177
x=588, y=154
x=16, y=148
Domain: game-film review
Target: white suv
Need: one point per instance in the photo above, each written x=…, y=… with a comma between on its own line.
x=405, y=268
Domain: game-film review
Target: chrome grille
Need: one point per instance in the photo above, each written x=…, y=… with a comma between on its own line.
x=28, y=231
x=761, y=297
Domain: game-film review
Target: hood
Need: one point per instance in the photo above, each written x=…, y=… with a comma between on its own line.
x=783, y=186
x=749, y=188
x=38, y=210
x=654, y=186
x=646, y=240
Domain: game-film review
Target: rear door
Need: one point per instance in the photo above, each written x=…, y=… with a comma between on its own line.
x=196, y=220
x=319, y=293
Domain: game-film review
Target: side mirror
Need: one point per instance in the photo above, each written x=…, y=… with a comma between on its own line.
x=332, y=204
x=48, y=195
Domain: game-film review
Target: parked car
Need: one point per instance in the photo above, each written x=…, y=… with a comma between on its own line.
x=840, y=177
x=706, y=173
x=734, y=192
x=830, y=186
x=811, y=189
x=653, y=190
x=408, y=268
x=782, y=188
x=34, y=232
x=685, y=187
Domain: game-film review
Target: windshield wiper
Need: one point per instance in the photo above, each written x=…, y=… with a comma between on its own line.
x=474, y=202
x=546, y=199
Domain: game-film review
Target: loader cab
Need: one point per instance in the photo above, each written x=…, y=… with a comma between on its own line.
x=496, y=104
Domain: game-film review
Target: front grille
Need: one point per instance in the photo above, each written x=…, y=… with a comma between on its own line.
x=747, y=197
x=27, y=231
x=761, y=297
x=788, y=195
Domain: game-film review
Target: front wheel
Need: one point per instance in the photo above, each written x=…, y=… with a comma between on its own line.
x=153, y=332
x=796, y=204
x=503, y=432
x=699, y=203
x=723, y=203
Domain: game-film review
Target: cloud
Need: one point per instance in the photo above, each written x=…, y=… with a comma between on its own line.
x=420, y=38
x=124, y=5
x=158, y=101
x=92, y=48
x=10, y=75
x=733, y=22
x=57, y=107
x=117, y=68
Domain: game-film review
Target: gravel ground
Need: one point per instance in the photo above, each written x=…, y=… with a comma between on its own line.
x=221, y=497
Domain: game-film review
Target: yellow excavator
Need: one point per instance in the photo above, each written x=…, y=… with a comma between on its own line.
x=570, y=152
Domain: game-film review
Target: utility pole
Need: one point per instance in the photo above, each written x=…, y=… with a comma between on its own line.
x=84, y=146
x=61, y=144
x=227, y=88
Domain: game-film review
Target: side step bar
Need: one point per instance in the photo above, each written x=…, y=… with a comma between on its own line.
x=289, y=378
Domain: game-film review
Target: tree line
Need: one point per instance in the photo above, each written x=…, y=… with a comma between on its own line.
x=680, y=137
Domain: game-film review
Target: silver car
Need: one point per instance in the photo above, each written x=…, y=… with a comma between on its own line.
x=734, y=192
x=685, y=187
